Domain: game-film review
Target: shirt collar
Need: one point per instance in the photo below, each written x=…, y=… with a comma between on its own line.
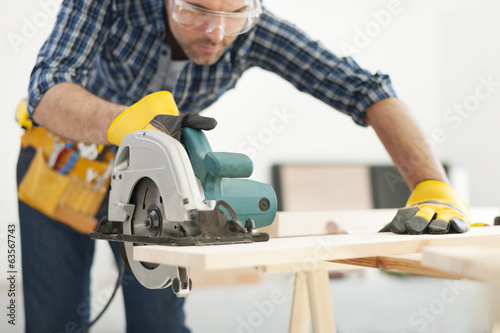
x=160, y=22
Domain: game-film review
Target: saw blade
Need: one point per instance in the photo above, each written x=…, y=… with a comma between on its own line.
x=147, y=220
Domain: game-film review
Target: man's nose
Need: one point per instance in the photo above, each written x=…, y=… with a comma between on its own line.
x=216, y=35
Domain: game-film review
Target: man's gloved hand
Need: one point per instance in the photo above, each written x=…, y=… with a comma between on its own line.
x=156, y=111
x=433, y=207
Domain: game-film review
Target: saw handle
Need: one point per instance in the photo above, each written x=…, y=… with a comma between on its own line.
x=231, y=165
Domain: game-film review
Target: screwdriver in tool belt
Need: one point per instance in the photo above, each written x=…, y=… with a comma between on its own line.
x=104, y=175
x=59, y=146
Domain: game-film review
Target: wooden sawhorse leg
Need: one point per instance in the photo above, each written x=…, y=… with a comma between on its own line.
x=494, y=308
x=312, y=300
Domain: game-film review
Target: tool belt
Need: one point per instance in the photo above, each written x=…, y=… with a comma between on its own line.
x=61, y=183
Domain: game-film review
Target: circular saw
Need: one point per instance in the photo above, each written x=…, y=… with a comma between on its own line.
x=181, y=194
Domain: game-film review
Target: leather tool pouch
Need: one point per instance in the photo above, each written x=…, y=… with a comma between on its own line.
x=69, y=198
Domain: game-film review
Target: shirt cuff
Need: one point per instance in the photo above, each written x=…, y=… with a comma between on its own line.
x=377, y=88
x=43, y=82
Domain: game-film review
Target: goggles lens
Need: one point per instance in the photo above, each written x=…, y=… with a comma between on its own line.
x=203, y=20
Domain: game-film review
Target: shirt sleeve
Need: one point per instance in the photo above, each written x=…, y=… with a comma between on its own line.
x=282, y=48
x=71, y=48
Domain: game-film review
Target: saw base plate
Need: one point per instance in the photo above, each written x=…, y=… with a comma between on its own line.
x=104, y=228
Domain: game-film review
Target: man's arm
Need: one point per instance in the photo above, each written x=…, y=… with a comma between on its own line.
x=57, y=99
x=404, y=142
x=433, y=206
x=72, y=112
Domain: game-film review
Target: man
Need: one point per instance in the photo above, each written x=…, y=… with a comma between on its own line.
x=104, y=56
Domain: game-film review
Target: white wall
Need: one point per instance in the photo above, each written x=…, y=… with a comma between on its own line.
x=469, y=54
x=434, y=52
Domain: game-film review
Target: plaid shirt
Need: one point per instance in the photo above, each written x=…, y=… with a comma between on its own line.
x=114, y=49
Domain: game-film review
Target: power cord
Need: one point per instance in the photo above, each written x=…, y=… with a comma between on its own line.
x=119, y=279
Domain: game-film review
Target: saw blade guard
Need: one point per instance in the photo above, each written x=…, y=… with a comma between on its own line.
x=153, y=181
x=163, y=159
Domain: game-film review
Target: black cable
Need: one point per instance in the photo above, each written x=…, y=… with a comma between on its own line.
x=121, y=268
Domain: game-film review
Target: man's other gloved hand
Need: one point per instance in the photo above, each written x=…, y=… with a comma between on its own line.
x=156, y=111
x=433, y=207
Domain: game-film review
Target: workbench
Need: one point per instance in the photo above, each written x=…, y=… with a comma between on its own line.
x=312, y=256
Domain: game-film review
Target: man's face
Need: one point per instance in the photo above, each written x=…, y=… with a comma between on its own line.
x=204, y=48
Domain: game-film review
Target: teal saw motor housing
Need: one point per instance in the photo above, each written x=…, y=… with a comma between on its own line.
x=221, y=175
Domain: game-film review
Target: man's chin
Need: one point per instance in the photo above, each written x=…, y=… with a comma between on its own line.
x=204, y=59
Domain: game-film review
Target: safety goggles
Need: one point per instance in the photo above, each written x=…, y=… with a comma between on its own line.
x=203, y=20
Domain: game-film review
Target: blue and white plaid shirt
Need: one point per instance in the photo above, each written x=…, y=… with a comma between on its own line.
x=114, y=48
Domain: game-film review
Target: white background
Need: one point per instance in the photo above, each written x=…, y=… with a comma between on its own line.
x=435, y=51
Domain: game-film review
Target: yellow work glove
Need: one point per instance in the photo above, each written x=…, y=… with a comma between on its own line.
x=157, y=111
x=433, y=207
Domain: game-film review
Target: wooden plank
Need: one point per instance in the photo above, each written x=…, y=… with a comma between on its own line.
x=306, y=251
x=303, y=223
x=480, y=263
x=407, y=264
x=293, y=267
x=292, y=224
